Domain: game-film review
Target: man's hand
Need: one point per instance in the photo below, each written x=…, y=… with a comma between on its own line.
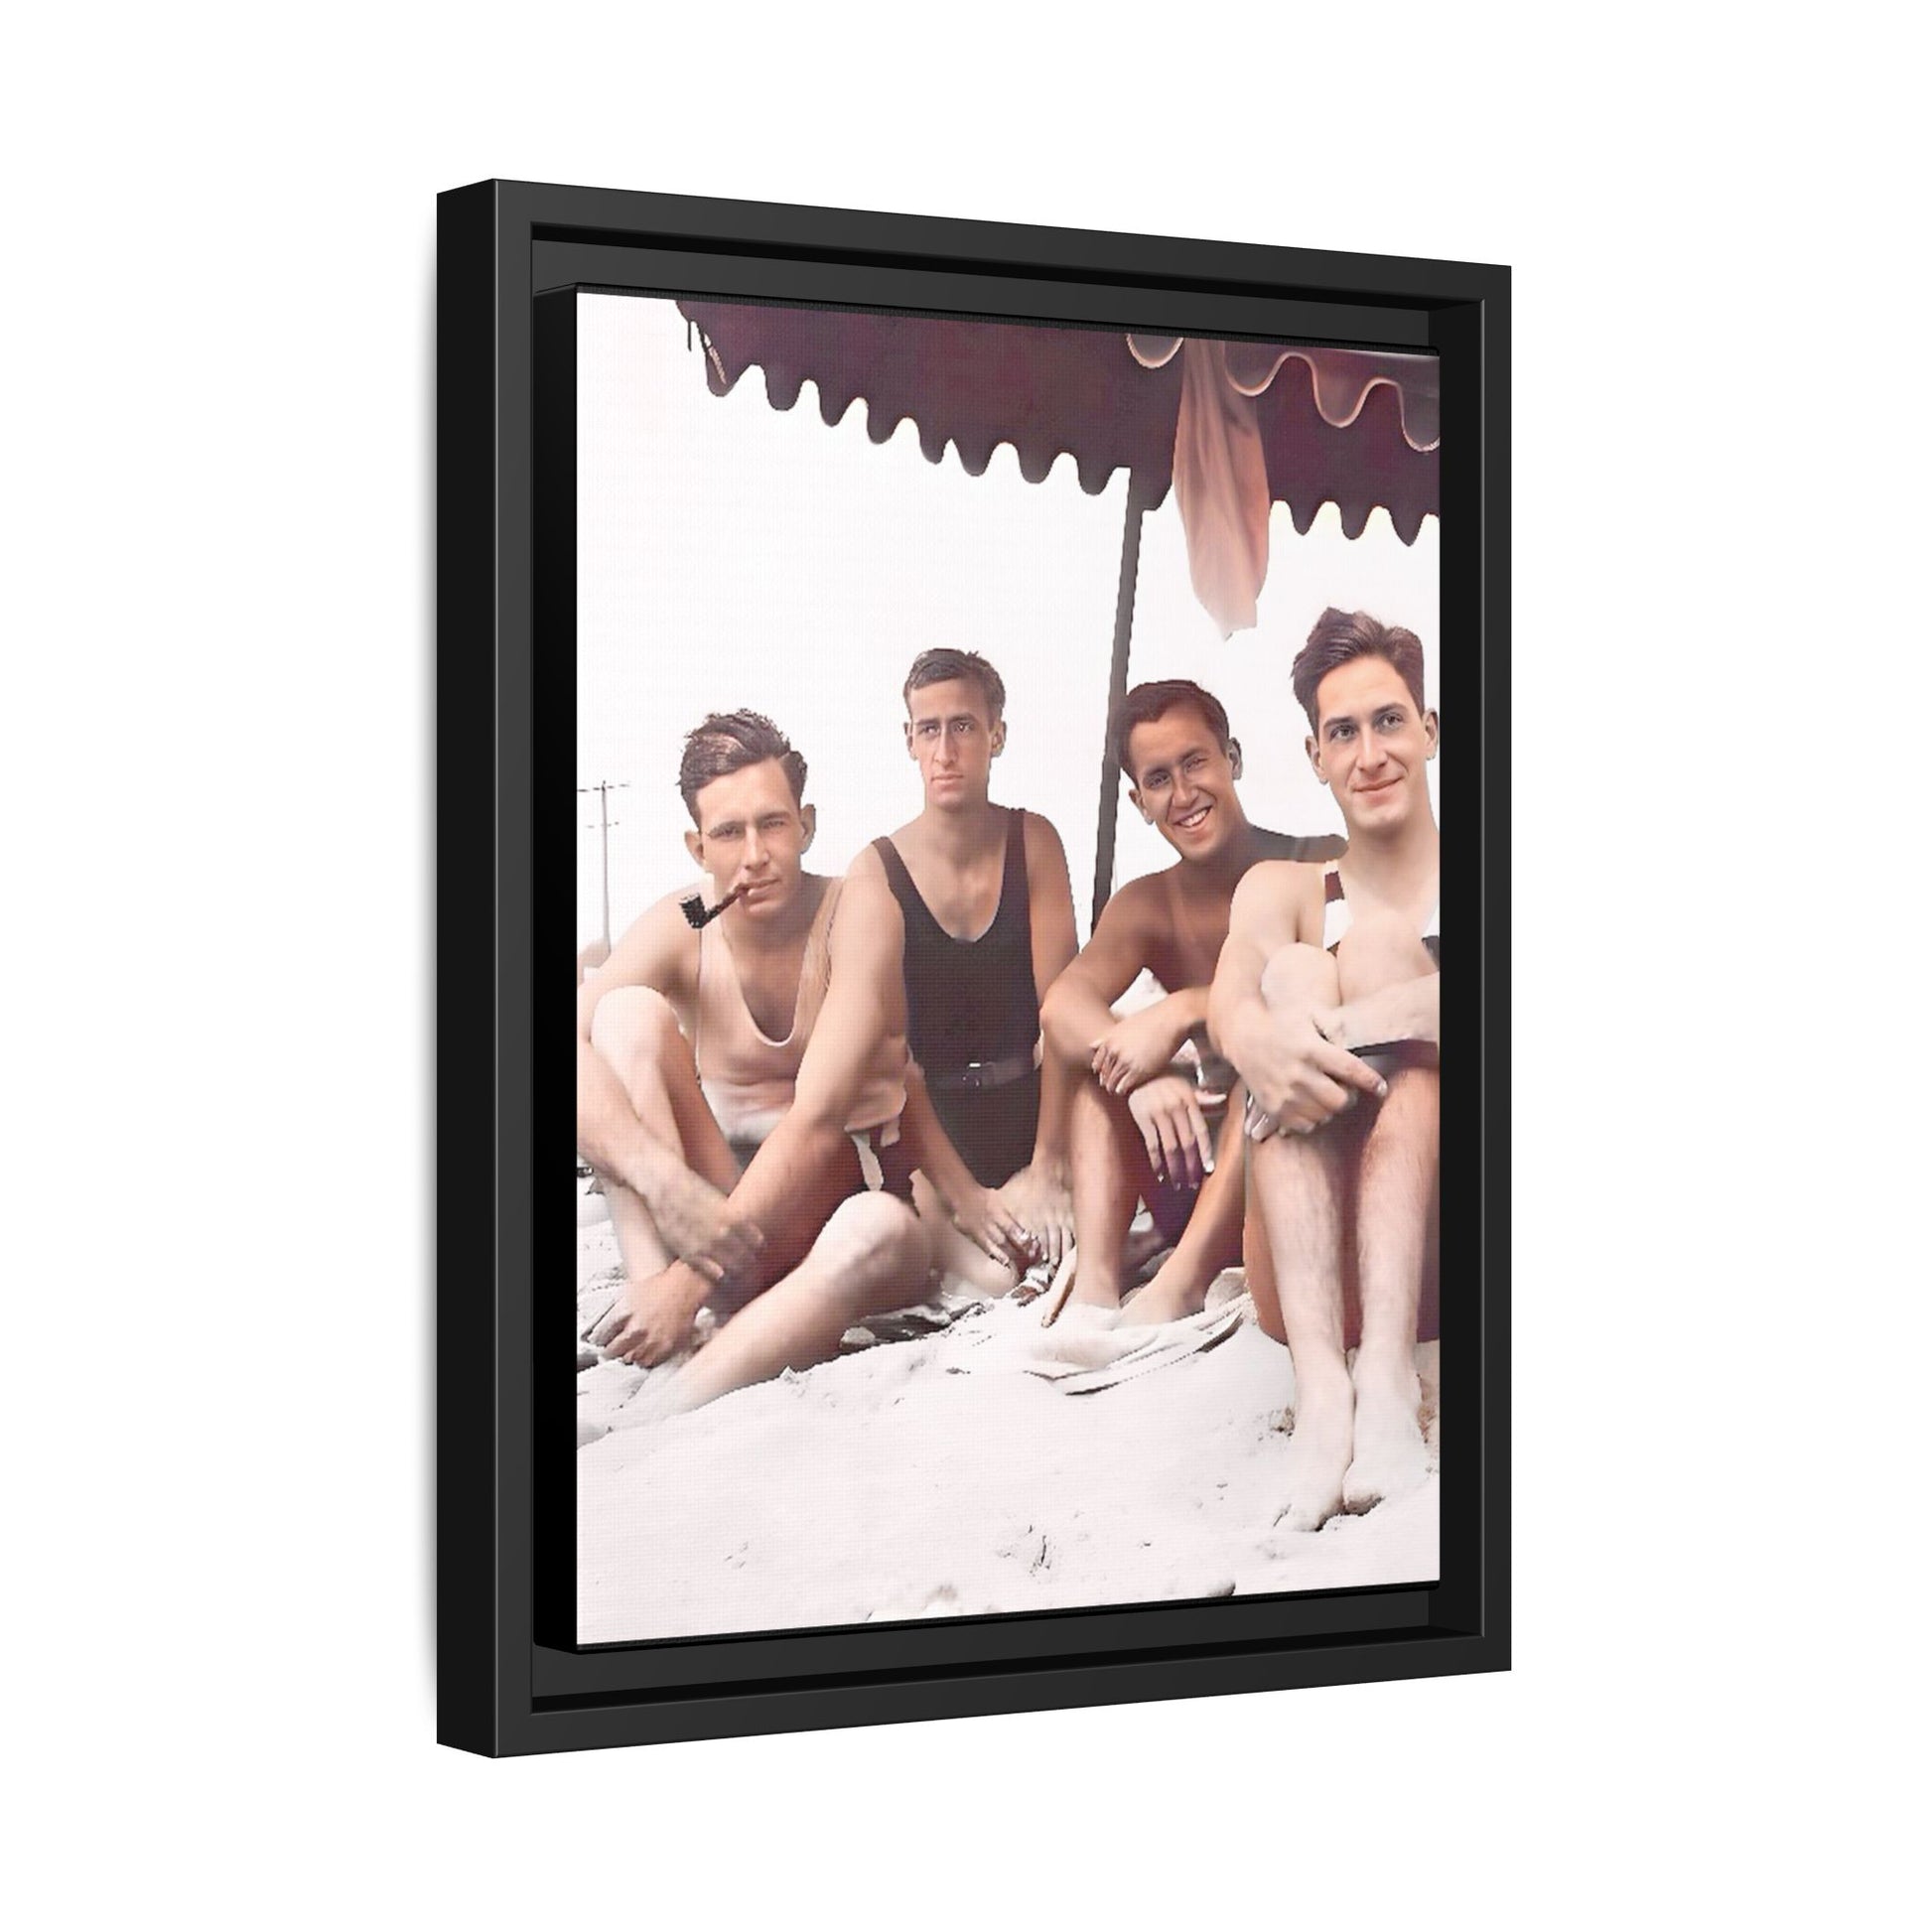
x=989, y=1224
x=1297, y=1081
x=1134, y=1051
x=1042, y=1205
x=1180, y=1147
x=1332, y=1022
x=653, y=1318
x=698, y=1223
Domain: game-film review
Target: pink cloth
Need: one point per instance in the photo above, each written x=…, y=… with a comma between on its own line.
x=1221, y=467
x=1220, y=480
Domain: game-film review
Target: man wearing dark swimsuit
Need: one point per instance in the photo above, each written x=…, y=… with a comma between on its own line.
x=1326, y=1000
x=985, y=924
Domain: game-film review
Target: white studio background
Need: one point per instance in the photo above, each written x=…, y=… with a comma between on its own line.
x=732, y=554
x=218, y=787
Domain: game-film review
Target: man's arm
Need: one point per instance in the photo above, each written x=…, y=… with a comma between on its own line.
x=1142, y=1047
x=1038, y=1195
x=1268, y=912
x=1050, y=905
x=1078, y=1011
x=1081, y=1027
x=1296, y=1075
x=1409, y=1010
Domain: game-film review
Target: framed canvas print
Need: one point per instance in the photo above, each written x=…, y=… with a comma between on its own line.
x=1021, y=707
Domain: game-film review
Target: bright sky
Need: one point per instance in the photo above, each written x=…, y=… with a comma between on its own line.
x=731, y=554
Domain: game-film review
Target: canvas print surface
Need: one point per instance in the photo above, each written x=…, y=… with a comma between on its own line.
x=1009, y=945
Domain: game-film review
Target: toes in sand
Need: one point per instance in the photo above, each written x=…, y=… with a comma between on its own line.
x=1318, y=1451
x=1390, y=1456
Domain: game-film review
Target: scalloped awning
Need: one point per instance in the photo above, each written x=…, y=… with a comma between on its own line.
x=1231, y=425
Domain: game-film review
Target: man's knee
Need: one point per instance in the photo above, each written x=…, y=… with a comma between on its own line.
x=1380, y=949
x=864, y=1225
x=633, y=1024
x=1299, y=976
x=871, y=1239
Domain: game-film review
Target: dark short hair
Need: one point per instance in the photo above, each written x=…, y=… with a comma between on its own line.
x=729, y=740
x=1342, y=637
x=1147, y=702
x=943, y=666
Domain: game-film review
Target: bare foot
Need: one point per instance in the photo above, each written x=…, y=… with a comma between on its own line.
x=1088, y=1314
x=1391, y=1458
x=1140, y=1247
x=1319, y=1449
x=1167, y=1297
x=1086, y=1295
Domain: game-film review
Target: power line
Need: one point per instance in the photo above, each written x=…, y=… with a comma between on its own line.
x=603, y=788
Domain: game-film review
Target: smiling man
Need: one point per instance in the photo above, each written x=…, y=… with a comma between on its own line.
x=1141, y=1126
x=739, y=1087
x=1326, y=1001
x=979, y=910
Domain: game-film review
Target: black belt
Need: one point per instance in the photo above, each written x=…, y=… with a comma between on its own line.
x=977, y=1075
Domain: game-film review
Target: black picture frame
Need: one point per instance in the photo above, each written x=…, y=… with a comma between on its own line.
x=507, y=1682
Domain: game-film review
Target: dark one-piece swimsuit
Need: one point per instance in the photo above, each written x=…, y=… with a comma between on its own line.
x=973, y=1016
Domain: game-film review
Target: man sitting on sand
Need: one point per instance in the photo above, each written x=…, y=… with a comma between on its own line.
x=1318, y=969
x=1139, y=1129
x=981, y=920
x=733, y=1085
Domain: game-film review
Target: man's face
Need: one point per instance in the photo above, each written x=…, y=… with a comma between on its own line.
x=752, y=832
x=953, y=742
x=1371, y=744
x=1183, y=782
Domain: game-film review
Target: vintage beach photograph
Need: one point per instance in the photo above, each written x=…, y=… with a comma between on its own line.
x=1007, y=930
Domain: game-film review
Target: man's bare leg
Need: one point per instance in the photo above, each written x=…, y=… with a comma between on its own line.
x=1297, y=1180
x=1212, y=1237
x=1396, y=1175
x=1258, y=1265
x=635, y=1033
x=952, y=1254
x=872, y=1255
x=1110, y=1175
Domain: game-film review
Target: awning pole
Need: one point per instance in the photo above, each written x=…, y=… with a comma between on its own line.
x=1130, y=570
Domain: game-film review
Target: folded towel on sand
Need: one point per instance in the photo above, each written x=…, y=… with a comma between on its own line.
x=1135, y=1349
x=1090, y=1349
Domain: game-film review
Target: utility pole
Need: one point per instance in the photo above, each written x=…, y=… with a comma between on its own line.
x=603, y=788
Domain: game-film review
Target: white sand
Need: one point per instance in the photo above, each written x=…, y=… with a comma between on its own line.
x=939, y=1477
